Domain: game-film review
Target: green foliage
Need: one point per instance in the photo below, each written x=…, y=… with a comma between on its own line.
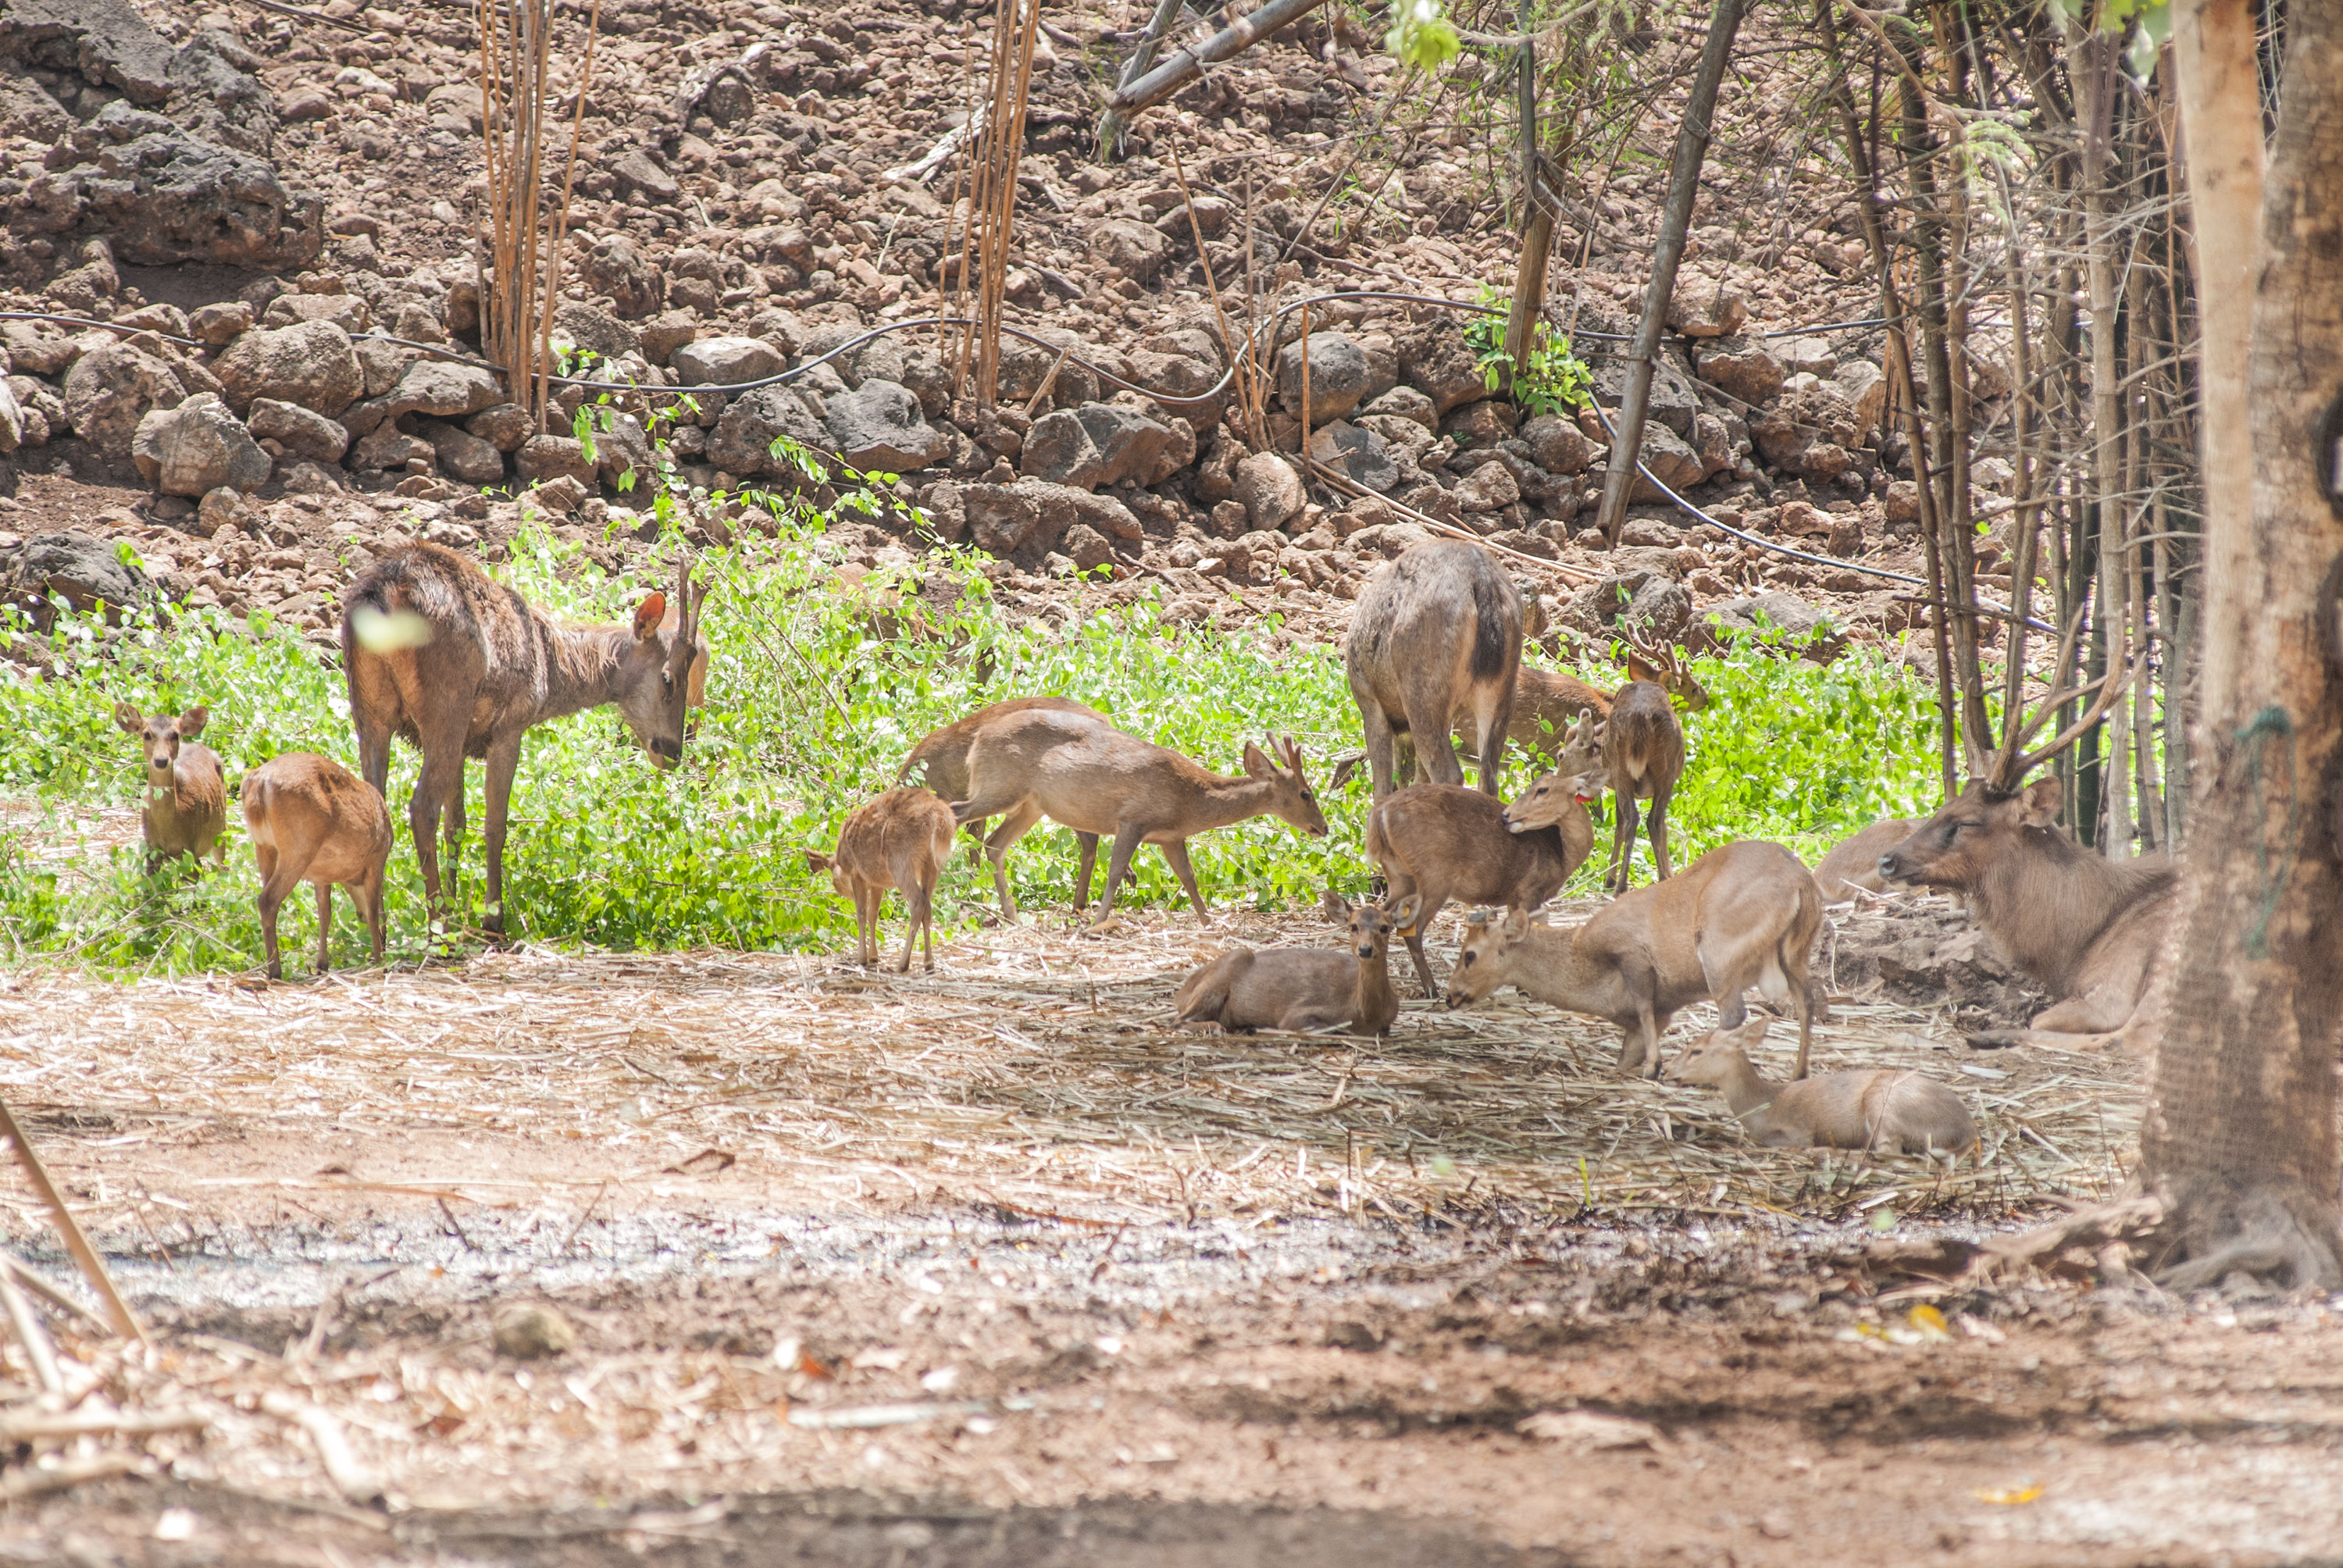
x=1421, y=36
x=1555, y=381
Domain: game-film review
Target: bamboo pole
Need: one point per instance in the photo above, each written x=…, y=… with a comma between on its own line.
x=93, y=1268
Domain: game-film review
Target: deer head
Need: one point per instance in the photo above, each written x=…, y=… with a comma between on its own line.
x=1663, y=663
x=1290, y=799
x=663, y=673
x=160, y=736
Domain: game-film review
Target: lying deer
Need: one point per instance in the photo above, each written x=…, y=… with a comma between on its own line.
x=1438, y=843
x=1640, y=749
x=312, y=820
x=1305, y=988
x=1739, y=916
x=898, y=842
x=1097, y=781
x=1882, y=1108
x=1437, y=635
x=461, y=665
x=1855, y=863
x=941, y=759
x=186, y=797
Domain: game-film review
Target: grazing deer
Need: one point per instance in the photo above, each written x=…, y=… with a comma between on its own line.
x=900, y=840
x=1437, y=632
x=312, y=820
x=1435, y=842
x=462, y=665
x=1855, y=863
x=1304, y=987
x=186, y=797
x=1883, y=1110
x=1739, y=916
x=1098, y=780
x=940, y=758
x=1640, y=748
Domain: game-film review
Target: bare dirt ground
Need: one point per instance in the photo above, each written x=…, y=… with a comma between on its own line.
x=994, y=1267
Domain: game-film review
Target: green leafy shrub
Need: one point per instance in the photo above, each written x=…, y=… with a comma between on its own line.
x=1552, y=381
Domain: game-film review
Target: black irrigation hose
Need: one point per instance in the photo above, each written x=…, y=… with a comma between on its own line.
x=86, y=321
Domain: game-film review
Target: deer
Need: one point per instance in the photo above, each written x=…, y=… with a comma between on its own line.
x=313, y=820
x=1437, y=632
x=1881, y=1109
x=1640, y=747
x=1740, y=916
x=461, y=665
x=1100, y=781
x=186, y=794
x=1305, y=988
x=1438, y=843
x=898, y=842
x=2088, y=930
x=941, y=759
x=1853, y=863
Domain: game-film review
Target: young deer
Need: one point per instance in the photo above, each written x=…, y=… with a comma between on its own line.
x=1548, y=702
x=1444, y=842
x=312, y=820
x=186, y=797
x=1880, y=1109
x=1855, y=863
x=461, y=665
x=1739, y=916
x=901, y=841
x=1641, y=748
x=1098, y=780
x=1437, y=634
x=941, y=759
x=1304, y=987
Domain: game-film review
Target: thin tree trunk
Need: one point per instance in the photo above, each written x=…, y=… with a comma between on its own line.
x=2095, y=54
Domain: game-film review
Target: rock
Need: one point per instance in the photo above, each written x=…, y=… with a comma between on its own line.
x=105, y=40
x=164, y=197
x=1762, y=613
x=1712, y=441
x=444, y=390
x=528, y=1332
x=638, y=172
x=1557, y=445
x=391, y=449
x=466, y=459
x=1675, y=399
x=221, y=323
x=1359, y=456
x=504, y=427
x=312, y=365
x=222, y=508
x=1121, y=242
x=552, y=457
x=1436, y=361
x=726, y=362
x=1340, y=376
x=12, y=419
x=1100, y=444
x=1670, y=459
x=83, y=571
x=1229, y=519
x=1480, y=424
x=1108, y=516
x=636, y=287
x=1490, y=488
x=111, y=388
x=1801, y=419
x=1270, y=489
x=304, y=477
x=1181, y=375
x=1705, y=306
x=36, y=349
x=1824, y=460
x=346, y=311
x=563, y=493
x=1653, y=605
x=1865, y=386
x=198, y=446
x=1364, y=512
x=1003, y=520
x=878, y=426
x=1087, y=547
x=742, y=441
x=1808, y=355
x=595, y=330
x=671, y=331
x=621, y=447
x=1741, y=370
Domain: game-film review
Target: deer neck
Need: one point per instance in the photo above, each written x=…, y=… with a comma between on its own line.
x=1746, y=1092
x=1218, y=804
x=1550, y=966
x=581, y=666
x=1376, y=998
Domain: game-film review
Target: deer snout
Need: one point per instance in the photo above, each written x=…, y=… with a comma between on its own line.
x=1892, y=866
x=666, y=752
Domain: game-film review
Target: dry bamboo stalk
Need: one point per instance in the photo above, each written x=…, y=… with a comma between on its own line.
x=31, y=1335
x=351, y=1476
x=93, y=1269
x=1306, y=392
x=49, y=1292
x=89, y=1423
x=993, y=206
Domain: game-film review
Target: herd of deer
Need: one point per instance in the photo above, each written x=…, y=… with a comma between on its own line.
x=436, y=653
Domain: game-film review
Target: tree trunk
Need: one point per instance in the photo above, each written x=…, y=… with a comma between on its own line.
x=2240, y=1133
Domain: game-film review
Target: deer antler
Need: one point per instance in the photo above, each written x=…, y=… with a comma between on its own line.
x=1658, y=654
x=687, y=611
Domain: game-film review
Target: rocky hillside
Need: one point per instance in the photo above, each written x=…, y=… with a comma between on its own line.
x=272, y=215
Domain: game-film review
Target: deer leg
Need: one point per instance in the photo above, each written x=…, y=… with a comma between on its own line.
x=504, y=759
x=366, y=894
x=1013, y=827
x=913, y=906
x=1118, y=867
x=920, y=902
x=1623, y=843
x=1657, y=826
x=442, y=774
x=325, y=926
x=1495, y=719
x=1175, y=851
x=1435, y=752
x=1413, y=937
x=1088, y=844
x=1378, y=728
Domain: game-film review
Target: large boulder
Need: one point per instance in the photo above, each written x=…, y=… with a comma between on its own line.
x=1705, y=306
x=543, y=457
x=595, y=330
x=1741, y=370
x=82, y=570
x=635, y=285
x=196, y=447
x=107, y=41
x=111, y=388
x=1359, y=456
x=1270, y=490
x=1669, y=458
x=444, y=390
x=1654, y=605
x=1024, y=520
x=878, y=426
x=726, y=362
x=1105, y=444
x=1137, y=249
x=312, y=365
x=1765, y=613
x=1340, y=376
x=1437, y=362
x=1557, y=445
x=466, y=458
x=742, y=441
x=163, y=197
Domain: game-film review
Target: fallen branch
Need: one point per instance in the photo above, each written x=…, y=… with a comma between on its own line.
x=70, y=1472
x=124, y=1323
x=85, y=1422
x=1189, y=64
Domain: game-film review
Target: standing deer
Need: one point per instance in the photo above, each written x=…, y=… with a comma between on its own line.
x=900, y=840
x=1098, y=780
x=1304, y=987
x=941, y=756
x=1641, y=748
x=462, y=665
x=1880, y=1109
x=310, y=819
x=186, y=797
x=1739, y=916
x=1437, y=632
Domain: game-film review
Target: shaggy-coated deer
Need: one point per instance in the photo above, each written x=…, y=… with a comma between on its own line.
x=1881, y=1109
x=186, y=797
x=1641, y=748
x=311, y=820
x=1739, y=916
x=1437, y=632
x=941, y=756
x=1305, y=988
x=900, y=841
x=462, y=665
x=1099, y=782
x=1438, y=842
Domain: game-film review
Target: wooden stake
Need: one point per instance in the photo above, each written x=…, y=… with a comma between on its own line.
x=125, y=1322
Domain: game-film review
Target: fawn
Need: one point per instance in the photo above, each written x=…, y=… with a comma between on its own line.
x=900, y=840
x=1879, y=1109
x=1305, y=988
x=186, y=796
x=313, y=820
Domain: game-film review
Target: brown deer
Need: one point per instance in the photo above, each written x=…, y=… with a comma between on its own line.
x=1437, y=632
x=1640, y=750
x=186, y=796
x=1548, y=702
x=1098, y=780
x=462, y=665
x=1880, y=1109
x=1438, y=843
x=312, y=820
x=941, y=759
x=1739, y=916
x=1855, y=863
x=901, y=841
x=1302, y=987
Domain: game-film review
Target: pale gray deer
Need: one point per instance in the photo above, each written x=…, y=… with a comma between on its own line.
x=939, y=760
x=1888, y=1111
x=1741, y=916
x=1437, y=632
x=438, y=653
x=1640, y=747
x=311, y=820
x=1305, y=988
x=897, y=842
x=1438, y=842
x=1102, y=782
x=186, y=796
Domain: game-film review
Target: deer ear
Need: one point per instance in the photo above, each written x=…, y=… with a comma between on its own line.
x=1256, y=766
x=1638, y=671
x=1748, y=1034
x=648, y=614
x=1334, y=906
x=191, y=722
x=1403, y=915
x=2039, y=802
x=695, y=684
x=1516, y=925
x=816, y=861
x=128, y=719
